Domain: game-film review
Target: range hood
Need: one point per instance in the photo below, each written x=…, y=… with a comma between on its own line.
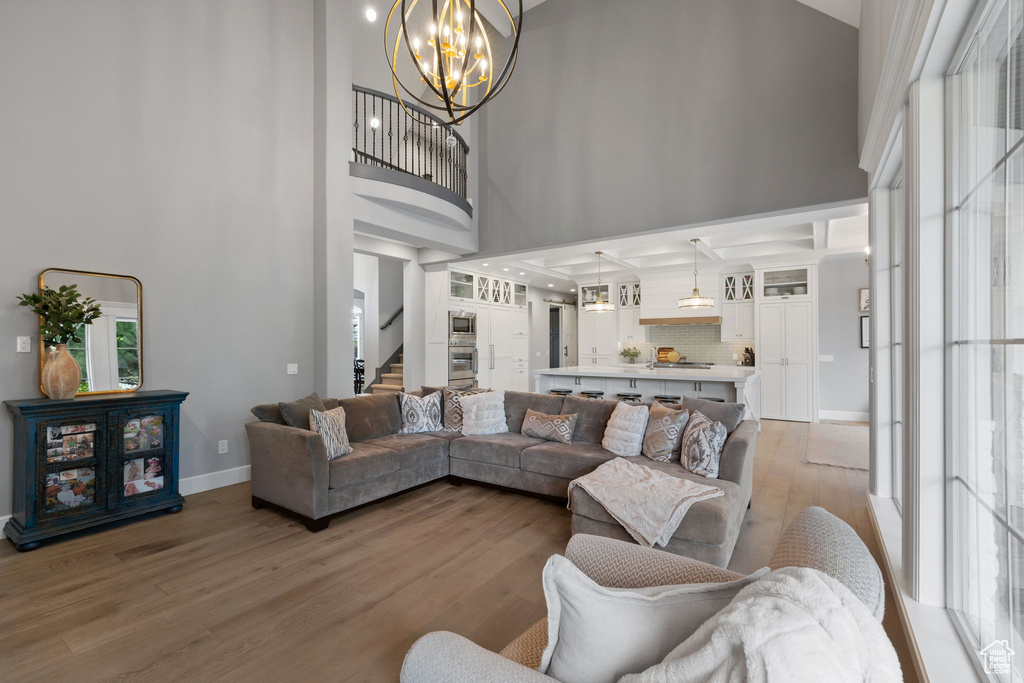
x=693, y=320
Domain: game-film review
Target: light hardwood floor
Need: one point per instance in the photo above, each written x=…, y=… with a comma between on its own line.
x=221, y=591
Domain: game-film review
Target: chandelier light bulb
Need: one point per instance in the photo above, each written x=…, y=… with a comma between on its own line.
x=371, y=14
x=375, y=123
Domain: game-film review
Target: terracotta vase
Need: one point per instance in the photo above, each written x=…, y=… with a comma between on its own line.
x=61, y=373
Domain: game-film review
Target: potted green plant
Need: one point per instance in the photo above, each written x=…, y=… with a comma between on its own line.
x=61, y=313
x=630, y=353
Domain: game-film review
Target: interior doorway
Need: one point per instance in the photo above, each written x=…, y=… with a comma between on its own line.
x=555, y=336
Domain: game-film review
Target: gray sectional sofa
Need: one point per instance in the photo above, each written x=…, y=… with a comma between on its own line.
x=290, y=470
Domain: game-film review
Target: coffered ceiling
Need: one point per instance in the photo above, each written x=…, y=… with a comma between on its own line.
x=811, y=234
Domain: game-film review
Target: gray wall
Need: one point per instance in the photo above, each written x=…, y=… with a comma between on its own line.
x=171, y=140
x=622, y=117
x=843, y=383
x=391, y=297
x=876, y=22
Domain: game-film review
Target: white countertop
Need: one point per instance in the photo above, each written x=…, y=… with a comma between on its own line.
x=717, y=373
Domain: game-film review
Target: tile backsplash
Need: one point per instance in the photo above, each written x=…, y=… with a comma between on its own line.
x=700, y=343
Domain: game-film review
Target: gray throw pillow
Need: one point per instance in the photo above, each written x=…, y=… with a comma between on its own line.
x=269, y=412
x=296, y=413
x=702, y=445
x=549, y=427
x=420, y=414
x=664, y=433
x=598, y=634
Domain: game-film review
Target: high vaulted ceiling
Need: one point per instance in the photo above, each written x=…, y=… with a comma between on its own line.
x=812, y=234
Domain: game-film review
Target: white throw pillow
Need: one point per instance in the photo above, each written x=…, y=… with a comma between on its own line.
x=624, y=433
x=421, y=413
x=330, y=425
x=484, y=414
x=598, y=634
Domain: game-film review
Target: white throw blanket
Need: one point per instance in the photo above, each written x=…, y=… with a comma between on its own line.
x=647, y=503
x=795, y=625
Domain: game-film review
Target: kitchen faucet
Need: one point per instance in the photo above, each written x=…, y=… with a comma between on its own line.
x=650, y=360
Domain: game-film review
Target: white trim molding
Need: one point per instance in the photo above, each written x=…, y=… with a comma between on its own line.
x=214, y=480
x=843, y=416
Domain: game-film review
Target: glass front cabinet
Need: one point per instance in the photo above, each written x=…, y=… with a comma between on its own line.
x=797, y=282
x=92, y=460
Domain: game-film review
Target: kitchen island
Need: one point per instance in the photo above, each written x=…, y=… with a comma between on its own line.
x=733, y=384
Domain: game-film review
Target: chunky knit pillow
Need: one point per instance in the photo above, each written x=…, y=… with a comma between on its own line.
x=484, y=414
x=330, y=425
x=624, y=433
x=420, y=414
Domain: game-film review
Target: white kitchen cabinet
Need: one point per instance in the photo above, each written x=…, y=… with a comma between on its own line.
x=785, y=349
x=596, y=334
x=786, y=284
x=520, y=322
x=737, y=287
x=629, y=329
x=738, y=322
x=594, y=360
x=661, y=295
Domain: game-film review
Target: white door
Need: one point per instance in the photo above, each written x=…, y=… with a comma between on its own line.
x=799, y=385
x=569, y=351
x=771, y=348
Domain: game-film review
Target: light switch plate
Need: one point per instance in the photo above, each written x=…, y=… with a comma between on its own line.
x=293, y=368
x=24, y=345
x=825, y=359
x=222, y=446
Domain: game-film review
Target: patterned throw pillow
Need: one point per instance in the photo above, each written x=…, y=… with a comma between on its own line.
x=624, y=433
x=330, y=425
x=702, y=445
x=453, y=407
x=549, y=427
x=484, y=413
x=664, y=433
x=420, y=414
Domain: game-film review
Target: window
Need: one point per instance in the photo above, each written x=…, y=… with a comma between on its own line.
x=80, y=352
x=126, y=334
x=896, y=232
x=986, y=537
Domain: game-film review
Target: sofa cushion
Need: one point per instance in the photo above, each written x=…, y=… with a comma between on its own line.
x=708, y=521
x=269, y=412
x=367, y=417
x=729, y=414
x=412, y=449
x=447, y=436
x=296, y=413
x=364, y=462
x=593, y=416
x=495, y=449
x=564, y=460
x=518, y=402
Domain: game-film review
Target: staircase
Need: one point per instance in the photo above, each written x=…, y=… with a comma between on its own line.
x=391, y=381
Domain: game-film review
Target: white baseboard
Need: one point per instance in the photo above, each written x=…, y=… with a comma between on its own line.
x=843, y=416
x=213, y=480
x=190, y=485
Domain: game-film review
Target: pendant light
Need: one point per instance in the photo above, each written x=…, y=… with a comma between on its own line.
x=599, y=306
x=696, y=300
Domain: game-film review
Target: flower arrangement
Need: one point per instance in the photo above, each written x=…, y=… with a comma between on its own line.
x=630, y=353
x=61, y=312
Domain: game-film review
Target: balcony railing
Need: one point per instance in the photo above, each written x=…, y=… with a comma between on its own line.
x=417, y=143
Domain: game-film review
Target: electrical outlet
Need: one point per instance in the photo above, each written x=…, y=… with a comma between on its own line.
x=24, y=345
x=222, y=446
x=293, y=368
x=735, y=356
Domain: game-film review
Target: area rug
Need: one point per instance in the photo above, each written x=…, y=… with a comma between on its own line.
x=838, y=445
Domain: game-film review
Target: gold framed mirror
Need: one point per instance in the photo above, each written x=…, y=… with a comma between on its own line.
x=110, y=354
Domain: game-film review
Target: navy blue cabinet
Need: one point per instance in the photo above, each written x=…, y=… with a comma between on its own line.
x=92, y=460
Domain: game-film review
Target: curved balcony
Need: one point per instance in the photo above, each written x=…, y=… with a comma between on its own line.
x=412, y=149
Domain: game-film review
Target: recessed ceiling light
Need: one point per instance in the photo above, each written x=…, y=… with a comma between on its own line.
x=371, y=14
x=485, y=264
x=522, y=273
x=572, y=290
x=505, y=269
x=550, y=285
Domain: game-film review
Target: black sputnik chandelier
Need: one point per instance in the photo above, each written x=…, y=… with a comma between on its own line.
x=441, y=57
